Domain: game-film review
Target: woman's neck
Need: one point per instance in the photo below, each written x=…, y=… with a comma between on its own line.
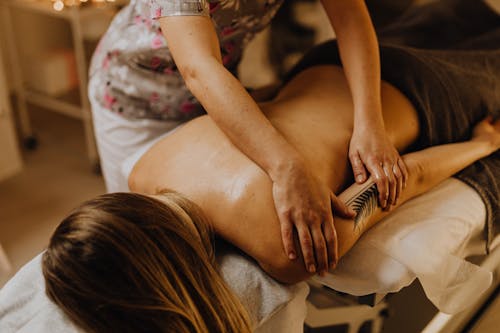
x=163, y=198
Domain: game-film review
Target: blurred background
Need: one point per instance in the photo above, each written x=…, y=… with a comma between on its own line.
x=48, y=159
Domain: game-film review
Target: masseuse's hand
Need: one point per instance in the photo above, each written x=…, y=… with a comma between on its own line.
x=303, y=203
x=372, y=152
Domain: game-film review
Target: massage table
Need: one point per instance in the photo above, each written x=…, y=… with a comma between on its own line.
x=425, y=238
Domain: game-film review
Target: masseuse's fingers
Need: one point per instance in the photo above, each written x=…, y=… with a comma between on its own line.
x=381, y=180
x=400, y=180
x=320, y=248
x=287, y=238
x=404, y=170
x=393, y=183
x=358, y=168
x=332, y=245
x=306, y=244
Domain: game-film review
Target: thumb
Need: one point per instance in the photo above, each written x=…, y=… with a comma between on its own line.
x=341, y=208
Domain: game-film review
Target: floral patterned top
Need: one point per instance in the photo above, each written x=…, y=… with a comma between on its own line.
x=132, y=70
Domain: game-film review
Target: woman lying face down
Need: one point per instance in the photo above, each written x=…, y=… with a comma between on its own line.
x=143, y=262
x=126, y=262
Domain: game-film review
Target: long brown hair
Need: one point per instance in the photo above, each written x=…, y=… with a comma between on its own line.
x=126, y=262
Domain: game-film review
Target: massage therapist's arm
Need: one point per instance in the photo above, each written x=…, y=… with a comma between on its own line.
x=300, y=199
x=370, y=148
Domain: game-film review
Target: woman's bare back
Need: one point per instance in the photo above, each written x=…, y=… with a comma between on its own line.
x=314, y=112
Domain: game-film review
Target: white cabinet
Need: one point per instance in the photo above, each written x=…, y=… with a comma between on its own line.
x=34, y=29
x=10, y=157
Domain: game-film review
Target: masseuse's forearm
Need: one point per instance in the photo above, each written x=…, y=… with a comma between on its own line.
x=196, y=50
x=239, y=117
x=359, y=51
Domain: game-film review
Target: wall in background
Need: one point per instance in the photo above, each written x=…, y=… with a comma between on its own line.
x=10, y=158
x=3, y=47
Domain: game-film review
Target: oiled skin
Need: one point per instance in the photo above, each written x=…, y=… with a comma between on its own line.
x=314, y=112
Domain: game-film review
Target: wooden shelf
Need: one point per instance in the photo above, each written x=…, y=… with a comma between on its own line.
x=89, y=17
x=84, y=22
x=45, y=7
x=67, y=104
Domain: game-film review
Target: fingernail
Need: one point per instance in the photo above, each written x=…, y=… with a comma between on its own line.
x=359, y=178
x=333, y=264
x=292, y=256
x=312, y=268
x=384, y=204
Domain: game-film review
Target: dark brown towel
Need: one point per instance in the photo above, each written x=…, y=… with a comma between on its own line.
x=452, y=88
